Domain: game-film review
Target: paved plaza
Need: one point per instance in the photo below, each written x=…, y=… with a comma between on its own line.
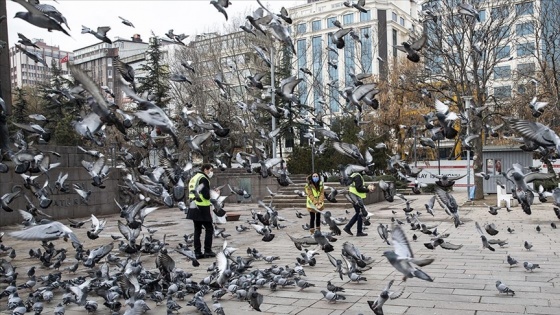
x=464, y=280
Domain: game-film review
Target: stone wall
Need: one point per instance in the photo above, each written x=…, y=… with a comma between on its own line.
x=64, y=205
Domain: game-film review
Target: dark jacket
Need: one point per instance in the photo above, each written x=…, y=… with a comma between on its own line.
x=360, y=184
x=203, y=213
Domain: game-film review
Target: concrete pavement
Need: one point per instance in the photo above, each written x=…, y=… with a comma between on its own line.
x=464, y=280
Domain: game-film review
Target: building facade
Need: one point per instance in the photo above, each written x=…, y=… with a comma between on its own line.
x=97, y=59
x=384, y=25
x=24, y=71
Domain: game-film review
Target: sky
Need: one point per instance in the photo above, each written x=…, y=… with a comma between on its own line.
x=183, y=16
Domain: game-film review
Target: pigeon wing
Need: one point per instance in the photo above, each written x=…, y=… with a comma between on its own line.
x=400, y=243
x=341, y=33
x=42, y=232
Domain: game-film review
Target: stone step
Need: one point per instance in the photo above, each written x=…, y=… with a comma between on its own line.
x=299, y=202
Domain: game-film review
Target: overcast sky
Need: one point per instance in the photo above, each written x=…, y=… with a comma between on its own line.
x=184, y=16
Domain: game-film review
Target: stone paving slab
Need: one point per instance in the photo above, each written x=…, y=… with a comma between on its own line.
x=464, y=280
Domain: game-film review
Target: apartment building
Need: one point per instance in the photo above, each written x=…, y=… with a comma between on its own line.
x=514, y=59
x=384, y=25
x=97, y=59
x=24, y=71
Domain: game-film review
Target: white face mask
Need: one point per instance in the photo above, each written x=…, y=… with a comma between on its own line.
x=210, y=174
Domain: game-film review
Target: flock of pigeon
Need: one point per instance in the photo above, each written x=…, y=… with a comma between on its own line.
x=115, y=273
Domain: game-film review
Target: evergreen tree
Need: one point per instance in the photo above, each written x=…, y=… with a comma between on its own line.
x=156, y=82
x=59, y=110
x=20, y=106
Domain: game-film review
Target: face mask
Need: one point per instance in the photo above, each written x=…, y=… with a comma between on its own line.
x=210, y=174
x=315, y=179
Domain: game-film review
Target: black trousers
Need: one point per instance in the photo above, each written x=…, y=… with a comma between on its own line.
x=208, y=236
x=356, y=218
x=314, y=219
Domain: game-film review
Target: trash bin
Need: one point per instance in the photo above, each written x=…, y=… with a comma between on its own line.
x=472, y=190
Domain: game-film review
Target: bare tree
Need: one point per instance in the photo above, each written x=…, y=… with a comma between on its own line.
x=464, y=57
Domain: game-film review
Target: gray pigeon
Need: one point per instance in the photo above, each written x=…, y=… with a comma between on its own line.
x=332, y=296
x=468, y=10
x=322, y=241
x=449, y=204
x=33, y=56
x=100, y=34
x=39, y=18
x=126, y=22
x=153, y=115
x=221, y=6
x=377, y=305
x=26, y=41
x=485, y=243
x=403, y=259
x=331, y=223
x=502, y=288
x=46, y=232
x=255, y=298
x=530, y=266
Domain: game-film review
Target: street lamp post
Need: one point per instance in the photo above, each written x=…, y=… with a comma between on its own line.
x=438, y=159
x=273, y=93
x=313, y=154
x=467, y=100
x=415, y=146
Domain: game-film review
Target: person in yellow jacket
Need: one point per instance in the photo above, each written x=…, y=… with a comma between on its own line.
x=201, y=215
x=359, y=189
x=315, y=200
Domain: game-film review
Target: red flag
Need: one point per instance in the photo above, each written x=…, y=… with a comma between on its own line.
x=65, y=59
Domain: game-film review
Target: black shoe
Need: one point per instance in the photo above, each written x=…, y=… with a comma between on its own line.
x=198, y=255
x=347, y=230
x=209, y=254
x=361, y=234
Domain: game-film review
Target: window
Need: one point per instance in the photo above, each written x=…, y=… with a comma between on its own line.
x=503, y=32
x=493, y=166
x=302, y=63
x=364, y=17
x=524, y=8
x=395, y=40
x=316, y=52
x=333, y=77
x=349, y=60
x=503, y=72
x=394, y=16
x=330, y=22
x=110, y=73
x=316, y=25
x=348, y=19
x=482, y=15
x=503, y=52
x=401, y=21
x=526, y=28
x=301, y=28
x=366, y=47
x=502, y=91
x=499, y=12
x=334, y=99
x=525, y=49
x=526, y=69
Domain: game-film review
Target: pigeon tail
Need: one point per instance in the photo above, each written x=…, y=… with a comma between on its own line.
x=328, y=248
x=526, y=208
x=422, y=275
x=268, y=238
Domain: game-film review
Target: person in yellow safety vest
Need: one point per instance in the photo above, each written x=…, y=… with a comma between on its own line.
x=315, y=200
x=201, y=215
x=357, y=188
